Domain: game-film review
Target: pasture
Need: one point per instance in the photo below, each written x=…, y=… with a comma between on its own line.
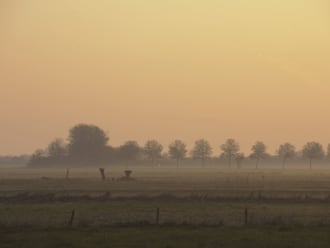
x=290, y=204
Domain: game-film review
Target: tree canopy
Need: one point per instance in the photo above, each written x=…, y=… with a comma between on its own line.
x=230, y=148
x=258, y=152
x=130, y=150
x=177, y=150
x=202, y=150
x=153, y=150
x=57, y=149
x=313, y=150
x=286, y=151
x=87, y=143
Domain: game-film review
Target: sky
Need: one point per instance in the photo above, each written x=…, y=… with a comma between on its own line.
x=155, y=69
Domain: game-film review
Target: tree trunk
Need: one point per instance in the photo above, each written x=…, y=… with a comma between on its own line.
x=283, y=163
x=177, y=162
x=229, y=161
x=257, y=163
x=203, y=162
x=310, y=163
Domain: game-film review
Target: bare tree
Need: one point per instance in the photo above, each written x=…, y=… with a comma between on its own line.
x=202, y=150
x=230, y=148
x=153, y=150
x=239, y=157
x=177, y=150
x=258, y=152
x=286, y=151
x=313, y=150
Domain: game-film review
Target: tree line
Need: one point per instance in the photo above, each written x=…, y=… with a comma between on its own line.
x=88, y=145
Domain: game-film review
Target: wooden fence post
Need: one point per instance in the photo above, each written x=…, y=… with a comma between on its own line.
x=102, y=171
x=157, y=216
x=71, y=218
x=67, y=173
x=246, y=216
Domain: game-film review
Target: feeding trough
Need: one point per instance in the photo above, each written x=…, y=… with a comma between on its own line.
x=128, y=173
x=127, y=176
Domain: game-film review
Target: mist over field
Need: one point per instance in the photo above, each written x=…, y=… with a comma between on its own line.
x=178, y=123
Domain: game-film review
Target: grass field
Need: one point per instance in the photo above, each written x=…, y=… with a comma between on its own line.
x=199, y=207
x=170, y=237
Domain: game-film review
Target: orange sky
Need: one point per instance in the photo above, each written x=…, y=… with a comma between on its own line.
x=188, y=69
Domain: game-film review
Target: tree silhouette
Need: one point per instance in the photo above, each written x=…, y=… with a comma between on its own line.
x=177, y=150
x=37, y=157
x=202, y=150
x=286, y=151
x=87, y=143
x=239, y=157
x=130, y=151
x=313, y=150
x=153, y=150
x=258, y=152
x=230, y=148
x=57, y=149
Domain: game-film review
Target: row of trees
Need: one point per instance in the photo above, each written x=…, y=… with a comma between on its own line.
x=88, y=144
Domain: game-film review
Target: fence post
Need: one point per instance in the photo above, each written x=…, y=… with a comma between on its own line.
x=102, y=171
x=157, y=216
x=71, y=218
x=246, y=216
x=67, y=173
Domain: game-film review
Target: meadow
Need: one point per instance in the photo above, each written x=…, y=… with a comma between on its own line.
x=199, y=207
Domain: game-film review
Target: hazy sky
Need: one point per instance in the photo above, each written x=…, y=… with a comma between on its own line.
x=165, y=69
